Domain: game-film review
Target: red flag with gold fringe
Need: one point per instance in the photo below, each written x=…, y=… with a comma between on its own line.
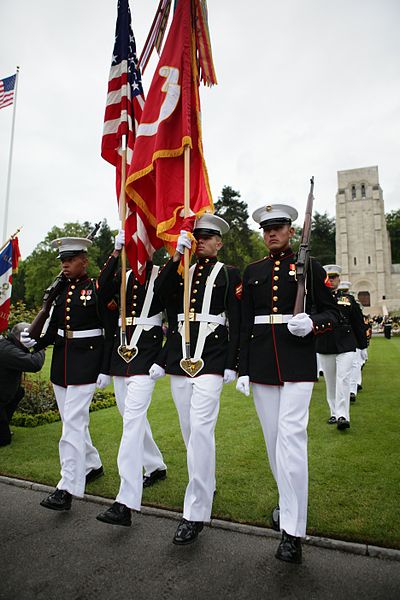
x=171, y=121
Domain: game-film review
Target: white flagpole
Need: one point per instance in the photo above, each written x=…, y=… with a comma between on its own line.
x=5, y=224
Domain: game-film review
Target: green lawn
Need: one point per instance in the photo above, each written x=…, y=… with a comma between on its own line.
x=354, y=475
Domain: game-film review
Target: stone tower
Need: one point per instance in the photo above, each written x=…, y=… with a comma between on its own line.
x=362, y=241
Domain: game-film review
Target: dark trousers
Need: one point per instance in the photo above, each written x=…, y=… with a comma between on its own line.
x=7, y=410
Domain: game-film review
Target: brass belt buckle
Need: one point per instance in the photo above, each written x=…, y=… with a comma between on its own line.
x=128, y=321
x=278, y=319
x=192, y=316
x=69, y=334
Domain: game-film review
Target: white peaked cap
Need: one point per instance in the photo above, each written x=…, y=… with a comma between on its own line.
x=344, y=285
x=280, y=214
x=70, y=246
x=211, y=224
x=333, y=269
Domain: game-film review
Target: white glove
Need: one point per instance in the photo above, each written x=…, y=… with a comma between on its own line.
x=183, y=242
x=119, y=240
x=229, y=376
x=103, y=381
x=300, y=325
x=156, y=372
x=364, y=354
x=243, y=385
x=26, y=340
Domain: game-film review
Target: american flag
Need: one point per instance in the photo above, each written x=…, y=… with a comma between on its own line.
x=7, y=90
x=125, y=101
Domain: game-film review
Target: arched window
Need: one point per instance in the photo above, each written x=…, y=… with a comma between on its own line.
x=355, y=260
x=362, y=190
x=353, y=191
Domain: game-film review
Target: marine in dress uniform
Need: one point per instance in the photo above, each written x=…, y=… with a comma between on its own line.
x=79, y=360
x=277, y=355
x=360, y=356
x=134, y=385
x=338, y=350
x=214, y=301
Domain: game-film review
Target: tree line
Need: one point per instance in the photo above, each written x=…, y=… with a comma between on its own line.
x=242, y=245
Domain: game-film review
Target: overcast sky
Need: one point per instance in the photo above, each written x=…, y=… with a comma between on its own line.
x=305, y=87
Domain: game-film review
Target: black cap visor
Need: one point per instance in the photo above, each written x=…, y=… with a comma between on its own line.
x=203, y=232
x=271, y=223
x=65, y=255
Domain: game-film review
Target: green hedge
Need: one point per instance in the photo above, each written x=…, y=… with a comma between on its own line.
x=101, y=399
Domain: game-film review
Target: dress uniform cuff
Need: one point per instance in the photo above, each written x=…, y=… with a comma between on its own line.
x=321, y=327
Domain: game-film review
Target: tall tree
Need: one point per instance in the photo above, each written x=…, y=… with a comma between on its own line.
x=241, y=244
x=104, y=241
x=393, y=226
x=323, y=238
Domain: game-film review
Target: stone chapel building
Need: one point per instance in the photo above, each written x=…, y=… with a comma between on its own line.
x=362, y=241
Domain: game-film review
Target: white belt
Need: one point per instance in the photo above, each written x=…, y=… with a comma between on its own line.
x=151, y=321
x=203, y=317
x=271, y=319
x=86, y=333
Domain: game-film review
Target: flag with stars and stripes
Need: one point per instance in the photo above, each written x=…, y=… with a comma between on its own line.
x=125, y=101
x=7, y=90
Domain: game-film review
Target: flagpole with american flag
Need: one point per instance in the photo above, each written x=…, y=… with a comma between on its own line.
x=8, y=95
x=123, y=112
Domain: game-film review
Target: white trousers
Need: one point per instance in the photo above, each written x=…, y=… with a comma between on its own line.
x=78, y=456
x=319, y=366
x=356, y=376
x=131, y=449
x=337, y=373
x=283, y=414
x=152, y=457
x=197, y=403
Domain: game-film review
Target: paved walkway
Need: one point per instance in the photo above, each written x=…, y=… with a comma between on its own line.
x=71, y=556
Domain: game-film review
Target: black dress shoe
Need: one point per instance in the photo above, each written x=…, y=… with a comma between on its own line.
x=359, y=387
x=187, y=532
x=117, y=514
x=352, y=397
x=94, y=474
x=275, y=518
x=151, y=479
x=331, y=420
x=343, y=423
x=289, y=549
x=58, y=500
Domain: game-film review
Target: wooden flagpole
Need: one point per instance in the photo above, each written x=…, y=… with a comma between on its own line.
x=10, y=238
x=122, y=204
x=186, y=259
x=123, y=350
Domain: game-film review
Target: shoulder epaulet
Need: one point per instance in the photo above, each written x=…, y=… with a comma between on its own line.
x=259, y=260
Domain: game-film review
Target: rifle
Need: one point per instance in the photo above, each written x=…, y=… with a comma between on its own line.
x=50, y=295
x=303, y=256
